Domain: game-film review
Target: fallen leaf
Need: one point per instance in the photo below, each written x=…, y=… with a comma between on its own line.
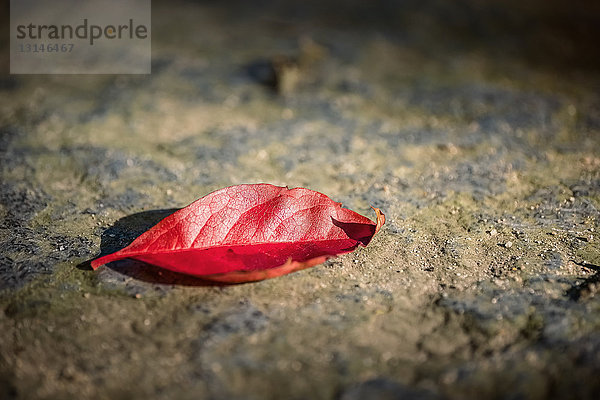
x=251, y=232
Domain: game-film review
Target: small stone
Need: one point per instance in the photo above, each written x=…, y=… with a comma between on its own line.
x=493, y=232
x=508, y=244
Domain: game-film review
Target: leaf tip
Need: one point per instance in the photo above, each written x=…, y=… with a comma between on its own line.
x=97, y=263
x=100, y=261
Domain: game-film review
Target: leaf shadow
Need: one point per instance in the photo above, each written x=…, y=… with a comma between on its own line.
x=126, y=230
x=576, y=291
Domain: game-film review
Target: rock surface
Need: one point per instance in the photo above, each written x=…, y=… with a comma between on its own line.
x=475, y=126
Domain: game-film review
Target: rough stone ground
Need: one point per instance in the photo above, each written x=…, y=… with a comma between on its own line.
x=474, y=125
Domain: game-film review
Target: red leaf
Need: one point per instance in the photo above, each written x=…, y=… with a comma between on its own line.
x=251, y=232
